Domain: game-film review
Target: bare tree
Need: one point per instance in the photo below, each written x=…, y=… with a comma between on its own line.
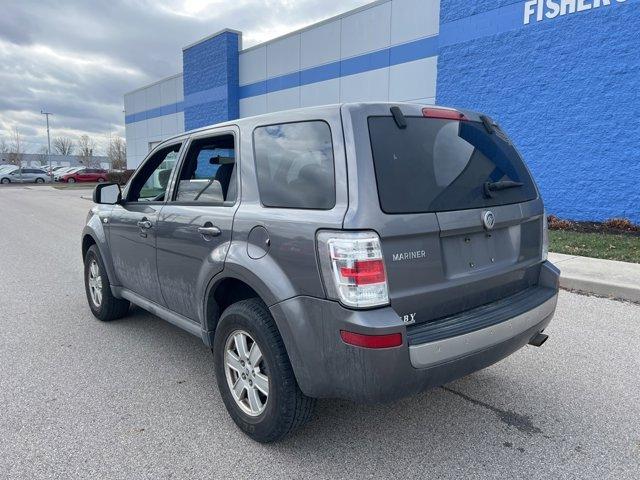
x=16, y=148
x=86, y=146
x=4, y=150
x=117, y=153
x=41, y=156
x=63, y=145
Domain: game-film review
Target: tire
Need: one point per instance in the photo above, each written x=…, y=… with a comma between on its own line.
x=109, y=307
x=286, y=407
x=39, y=180
x=5, y=181
x=101, y=180
x=71, y=180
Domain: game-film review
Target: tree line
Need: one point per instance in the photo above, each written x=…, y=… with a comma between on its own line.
x=14, y=149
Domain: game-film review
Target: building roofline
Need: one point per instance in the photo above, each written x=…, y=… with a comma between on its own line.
x=317, y=24
x=263, y=44
x=176, y=75
x=208, y=37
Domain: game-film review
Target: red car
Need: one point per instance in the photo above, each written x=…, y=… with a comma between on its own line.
x=85, y=175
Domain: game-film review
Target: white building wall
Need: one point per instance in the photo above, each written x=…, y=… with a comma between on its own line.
x=334, y=44
x=376, y=27
x=141, y=134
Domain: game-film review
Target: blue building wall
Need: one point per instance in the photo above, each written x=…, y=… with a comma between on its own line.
x=211, y=76
x=566, y=89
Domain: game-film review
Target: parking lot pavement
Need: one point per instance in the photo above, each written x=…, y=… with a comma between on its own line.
x=136, y=398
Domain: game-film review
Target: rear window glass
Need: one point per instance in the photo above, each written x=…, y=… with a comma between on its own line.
x=438, y=165
x=294, y=165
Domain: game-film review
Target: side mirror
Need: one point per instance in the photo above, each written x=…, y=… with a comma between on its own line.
x=107, y=194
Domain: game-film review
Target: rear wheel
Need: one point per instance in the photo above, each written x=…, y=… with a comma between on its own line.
x=102, y=303
x=254, y=374
x=101, y=180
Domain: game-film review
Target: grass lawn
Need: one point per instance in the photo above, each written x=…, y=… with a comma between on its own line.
x=72, y=186
x=625, y=248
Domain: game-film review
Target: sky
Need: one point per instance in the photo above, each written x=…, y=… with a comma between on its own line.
x=77, y=58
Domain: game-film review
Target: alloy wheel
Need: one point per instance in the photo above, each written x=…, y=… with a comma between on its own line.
x=95, y=283
x=246, y=373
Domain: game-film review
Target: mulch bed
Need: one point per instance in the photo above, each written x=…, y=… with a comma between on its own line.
x=614, y=226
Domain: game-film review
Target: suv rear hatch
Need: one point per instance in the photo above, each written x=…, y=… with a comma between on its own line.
x=457, y=212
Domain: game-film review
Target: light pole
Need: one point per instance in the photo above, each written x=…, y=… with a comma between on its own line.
x=48, y=142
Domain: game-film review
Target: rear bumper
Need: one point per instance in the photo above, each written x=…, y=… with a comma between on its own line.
x=430, y=354
x=326, y=367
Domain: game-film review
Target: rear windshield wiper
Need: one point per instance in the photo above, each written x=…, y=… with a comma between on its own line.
x=490, y=187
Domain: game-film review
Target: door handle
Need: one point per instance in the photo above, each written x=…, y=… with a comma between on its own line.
x=209, y=231
x=145, y=224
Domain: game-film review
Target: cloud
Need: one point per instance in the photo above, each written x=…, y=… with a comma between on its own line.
x=78, y=58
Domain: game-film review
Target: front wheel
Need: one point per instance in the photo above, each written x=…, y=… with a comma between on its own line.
x=71, y=180
x=101, y=180
x=102, y=303
x=254, y=374
x=5, y=181
x=39, y=180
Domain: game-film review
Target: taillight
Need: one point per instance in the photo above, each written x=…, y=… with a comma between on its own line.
x=443, y=114
x=353, y=268
x=365, y=272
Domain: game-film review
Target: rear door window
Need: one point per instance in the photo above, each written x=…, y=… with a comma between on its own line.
x=437, y=165
x=294, y=165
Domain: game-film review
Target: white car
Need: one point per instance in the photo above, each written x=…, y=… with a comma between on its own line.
x=24, y=175
x=7, y=168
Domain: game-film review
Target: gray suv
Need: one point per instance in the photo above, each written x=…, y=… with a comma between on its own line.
x=359, y=251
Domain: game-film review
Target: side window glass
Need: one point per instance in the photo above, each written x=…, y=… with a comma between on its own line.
x=208, y=174
x=294, y=165
x=150, y=183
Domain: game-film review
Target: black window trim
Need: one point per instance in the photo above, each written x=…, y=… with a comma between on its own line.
x=255, y=165
x=174, y=182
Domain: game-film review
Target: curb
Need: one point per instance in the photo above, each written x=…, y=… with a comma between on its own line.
x=605, y=278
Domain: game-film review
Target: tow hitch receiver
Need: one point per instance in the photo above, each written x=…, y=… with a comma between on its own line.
x=538, y=340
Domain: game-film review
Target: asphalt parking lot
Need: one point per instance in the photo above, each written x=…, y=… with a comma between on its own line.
x=136, y=398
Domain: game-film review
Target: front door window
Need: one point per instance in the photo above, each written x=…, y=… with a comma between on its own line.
x=150, y=183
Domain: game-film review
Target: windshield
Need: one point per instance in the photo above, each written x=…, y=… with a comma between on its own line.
x=436, y=165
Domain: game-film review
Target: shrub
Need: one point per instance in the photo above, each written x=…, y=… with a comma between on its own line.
x=121, y=176
x=556, y=223
x=621, y=224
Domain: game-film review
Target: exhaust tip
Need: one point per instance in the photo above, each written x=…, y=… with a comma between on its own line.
x=538, y=340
